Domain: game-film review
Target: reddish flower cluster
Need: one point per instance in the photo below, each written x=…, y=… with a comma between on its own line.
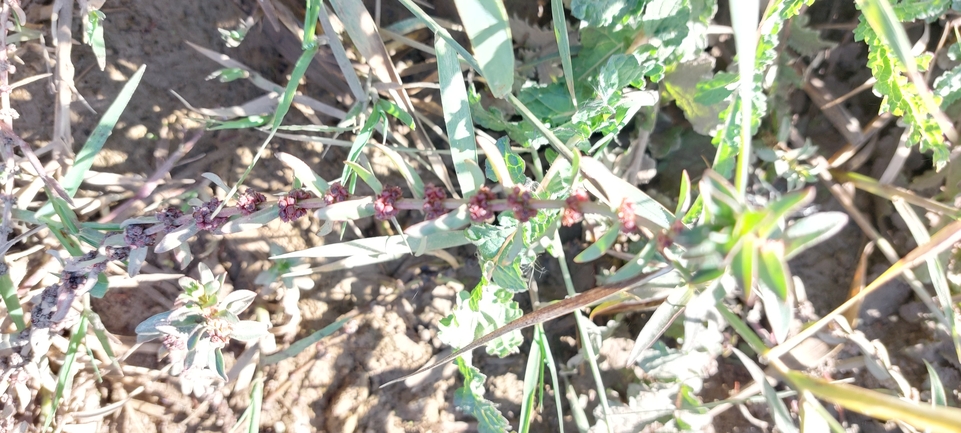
x=336, y=194
x=248, y=201
x=625, y=213
x=204, y=215
x=117, y=253
x=479, y=205
x=520, y=203
x=168, y=217
x=288, y=205
x=73, y=280
x=572, y=213
x=384, y=203
x=135, y=235
x=434, y=197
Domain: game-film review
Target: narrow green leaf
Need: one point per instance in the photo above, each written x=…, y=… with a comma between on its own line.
x=413, y=179
x=302, y=344
x=660, y=320
x=744, y=264
x=350, y=210
x=533, y=376
x=66, y=375
x=683, y=196
x=310, y=22
x=773, y=269
x=396, y=244
x=10, y=299
x=283, y=106
x=94, y=27
x=782, y=418
x=457, y=115
x=617, y=190
x=75, y=174
x=742, y=329
x=367, y=176
x=67, y=217
x=599, y=247
x=396, y=112
x=486, y=24
x=476, y=174
x=305, y=174
x=812, y=230
x=878, y=405
x=782, y=207
x=938, y=397
x=360, y=142
x=563, y=45
x=496, y=160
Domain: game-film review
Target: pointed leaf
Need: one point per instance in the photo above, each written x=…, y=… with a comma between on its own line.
x=811, y=230
x=782, y=418
x=304, y=174
x=599, y=247
x=486, y=24
x=367, y=176
x=663, y=317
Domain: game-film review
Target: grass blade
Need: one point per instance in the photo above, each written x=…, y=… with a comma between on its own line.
x=782, y=418
x=878, y=405
x=942, y=240
x=485, y=22
x=663, y=317
x=65, y=377
x=533, y=376
x=300, y=68
x=745, y=39
x=563, y=45
x=302, y=344
x=12, y=302
x=71, y=181
x=457, y=116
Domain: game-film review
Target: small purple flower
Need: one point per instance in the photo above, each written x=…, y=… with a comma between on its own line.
x=520, y=203
x=168, y=217
x=434, y=197
x=203, y=215
x=336, y=194
x=248, y=201
x=288, y=205
x=118, y=253
x=625, y=213
x=135, y=235
x=479, y=205
x=174, y=342
x=73, y=280
x=572, y=213
x=384, y=203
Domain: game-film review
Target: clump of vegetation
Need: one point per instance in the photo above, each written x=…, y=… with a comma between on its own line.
x=531, y=153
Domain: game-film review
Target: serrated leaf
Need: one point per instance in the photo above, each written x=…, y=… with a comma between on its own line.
x=948, y=87
x=681, y=83
x=514, y=163
x=805, y=40
x=478, y=313
x=470, y=400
